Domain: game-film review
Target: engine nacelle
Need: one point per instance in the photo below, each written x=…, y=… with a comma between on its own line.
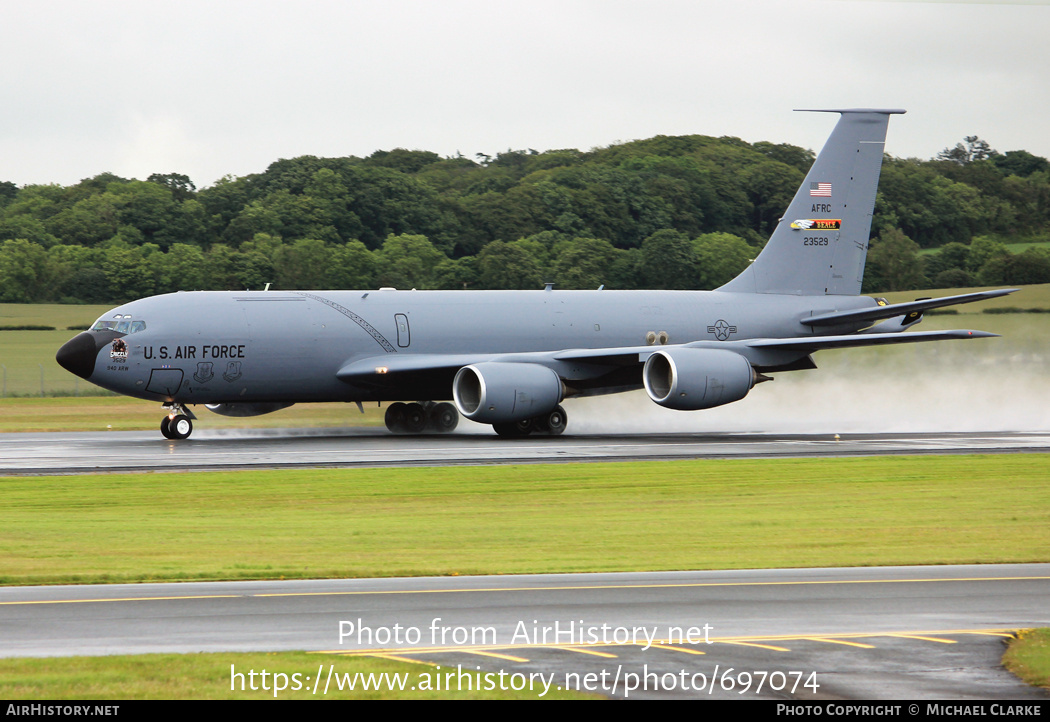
x=688, y=379
x=251, y=409
x=499, y=393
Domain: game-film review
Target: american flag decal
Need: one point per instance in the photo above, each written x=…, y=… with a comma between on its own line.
x=822, y=190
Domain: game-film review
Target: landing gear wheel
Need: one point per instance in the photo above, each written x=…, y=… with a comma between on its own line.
x=395, y=417
x=164, y=428
x=180, y=427
x=444, y=417
x=555, y=421
x=514, y=429
x=415, y=418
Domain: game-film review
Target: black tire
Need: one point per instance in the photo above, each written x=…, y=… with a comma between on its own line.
x=415, y=418
x=164, y=428
x=395, y=417
x=444, y=417
x=514, y=429
x=556, y=421
x=180, y=427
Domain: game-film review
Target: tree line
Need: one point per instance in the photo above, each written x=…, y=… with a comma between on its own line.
x=686, y=212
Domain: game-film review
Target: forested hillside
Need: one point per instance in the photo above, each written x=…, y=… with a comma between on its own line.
x=668, y=212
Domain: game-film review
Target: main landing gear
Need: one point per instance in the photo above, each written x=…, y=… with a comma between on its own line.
x=551, y=423
x=415, y=418
x=178, y=424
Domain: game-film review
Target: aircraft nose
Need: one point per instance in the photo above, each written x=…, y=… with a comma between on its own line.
x=77, y=355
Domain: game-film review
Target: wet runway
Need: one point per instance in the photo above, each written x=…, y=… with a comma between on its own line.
x=868, y=633
x=880, y=633
x=93, y=452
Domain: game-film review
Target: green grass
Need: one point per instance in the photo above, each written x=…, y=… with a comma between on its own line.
x=1036, y=296
x=1028, y=657
x=208, y=676
x=1015, y=248
x=119, y=413
x=522, y=519
x=50, y=314
x=24, y=352
x=28, y=365
x=1024, y=246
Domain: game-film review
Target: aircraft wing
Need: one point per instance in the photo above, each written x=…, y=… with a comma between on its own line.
x=568, y=361
x=900, y=309
x=369, y=368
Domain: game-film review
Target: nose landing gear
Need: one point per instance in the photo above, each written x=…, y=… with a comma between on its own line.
x=178, y=424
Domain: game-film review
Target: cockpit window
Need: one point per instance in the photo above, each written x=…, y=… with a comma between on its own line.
x=121, y=323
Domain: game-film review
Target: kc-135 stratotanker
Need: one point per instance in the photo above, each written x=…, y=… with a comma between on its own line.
x=509, y=358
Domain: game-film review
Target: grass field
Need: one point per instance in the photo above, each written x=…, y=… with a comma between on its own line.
x=27, y=358
x=208, y=676
x=1029, y=657
x=1027, y=297
x=521, y=519
x=120, y=413
x=1016, y=248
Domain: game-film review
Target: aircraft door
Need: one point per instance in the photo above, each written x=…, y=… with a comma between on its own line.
x=165, y=382
x=403, y=334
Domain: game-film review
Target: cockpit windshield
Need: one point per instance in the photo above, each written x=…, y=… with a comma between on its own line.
x=121, y=323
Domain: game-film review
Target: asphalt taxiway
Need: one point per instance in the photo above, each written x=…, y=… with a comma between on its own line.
x=870, y=633
x=93, y=452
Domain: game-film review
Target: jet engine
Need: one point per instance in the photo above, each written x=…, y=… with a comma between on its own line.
x=252, y=409
x=688, y=379
x=497, y=393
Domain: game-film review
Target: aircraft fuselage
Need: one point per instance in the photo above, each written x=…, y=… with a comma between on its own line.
x=214, y=347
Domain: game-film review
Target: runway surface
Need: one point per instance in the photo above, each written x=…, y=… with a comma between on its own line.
x=90, y=452
x=869, y=633
x=879, y=633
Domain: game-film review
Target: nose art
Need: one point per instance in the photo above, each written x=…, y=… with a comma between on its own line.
x=78, y=354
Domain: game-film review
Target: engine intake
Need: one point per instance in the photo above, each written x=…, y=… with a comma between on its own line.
x=497, y=393
x=689, y=379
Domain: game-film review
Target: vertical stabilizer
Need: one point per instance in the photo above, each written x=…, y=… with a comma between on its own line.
x=820, y=245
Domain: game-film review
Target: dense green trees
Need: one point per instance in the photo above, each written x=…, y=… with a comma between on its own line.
x=666, y=212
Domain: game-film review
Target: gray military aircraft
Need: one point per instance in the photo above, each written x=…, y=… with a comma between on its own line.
x=509, y=358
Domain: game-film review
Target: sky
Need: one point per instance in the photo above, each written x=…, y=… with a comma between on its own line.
x=226, y=87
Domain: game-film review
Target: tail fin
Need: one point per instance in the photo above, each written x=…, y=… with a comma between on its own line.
x=820, y=245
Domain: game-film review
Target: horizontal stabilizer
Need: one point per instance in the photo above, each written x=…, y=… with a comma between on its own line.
x=899, y=309
x=816, y=343
x=884, y=111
